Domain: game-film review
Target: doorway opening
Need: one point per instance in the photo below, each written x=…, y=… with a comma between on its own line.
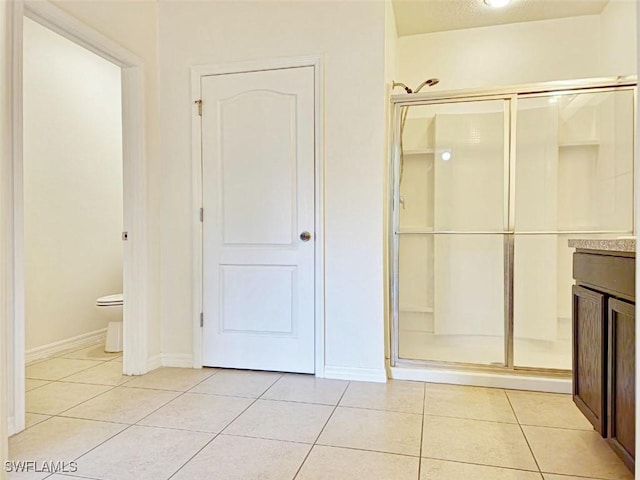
x=73, y=204
x=134, y=274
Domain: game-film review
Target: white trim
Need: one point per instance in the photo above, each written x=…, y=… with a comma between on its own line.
x=199, y=71
x=197, y=230
x=6, y=234
x=378, y=375
x=179, y=360
x=12, y=426
x=15, y=288
x=78, y=342
x=135, y=191
x=135, y=272
x=52, y=17
x=319, y=215
x=257, y=65
x=484, y=379
x=154, y=362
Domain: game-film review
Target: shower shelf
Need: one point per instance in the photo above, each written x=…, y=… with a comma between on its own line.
x=580, y=143
x=424, y=151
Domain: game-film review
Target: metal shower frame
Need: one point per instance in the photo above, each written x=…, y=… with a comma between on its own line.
x=509, y=95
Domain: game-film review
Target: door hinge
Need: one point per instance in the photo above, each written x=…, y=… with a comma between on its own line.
x=201, y=319
x=199, y=103
x=202, y=214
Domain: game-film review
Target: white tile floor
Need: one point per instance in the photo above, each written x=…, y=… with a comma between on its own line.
x=215, y=424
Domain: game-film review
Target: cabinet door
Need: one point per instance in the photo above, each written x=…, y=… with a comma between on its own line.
x=589, y=355
x=621, y=396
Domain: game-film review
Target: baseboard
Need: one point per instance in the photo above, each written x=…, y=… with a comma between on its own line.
x=84, y=340
x=154, y=362
x=354, y=373
x=484, y=379
x=11, y=425
x=180, y=360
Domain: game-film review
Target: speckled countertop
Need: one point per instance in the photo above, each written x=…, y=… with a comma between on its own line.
x=627, y=244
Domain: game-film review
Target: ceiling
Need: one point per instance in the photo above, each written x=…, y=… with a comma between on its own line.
x=427, y=16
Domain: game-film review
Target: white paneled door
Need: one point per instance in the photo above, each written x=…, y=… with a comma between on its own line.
x=258, y=158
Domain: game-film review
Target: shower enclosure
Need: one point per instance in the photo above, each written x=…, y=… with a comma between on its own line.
x=487, y=188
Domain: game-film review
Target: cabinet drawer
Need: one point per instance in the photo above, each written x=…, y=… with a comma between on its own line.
x=606, y=273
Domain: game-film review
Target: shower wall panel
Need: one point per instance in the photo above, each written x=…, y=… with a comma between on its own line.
x=469, y=269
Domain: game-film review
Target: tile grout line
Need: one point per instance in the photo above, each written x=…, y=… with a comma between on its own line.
x=97, y=364
x=228, y=423
x=36, y=388
x=181, y=393
x=128, y=425
x=472, y=419
x=136, y=423
x=74, y=475
x=502, y=467
x=523, y=434
x=261, y=397
x=59, y=414
x=102, y=443
x=315, y=442
x=215, y=435
x=113, y=387
x=342, y=447
x=360, y=449
x=424, y=401
x=121, y=431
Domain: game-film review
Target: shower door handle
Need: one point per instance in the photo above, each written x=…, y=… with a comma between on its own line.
x=305, y=236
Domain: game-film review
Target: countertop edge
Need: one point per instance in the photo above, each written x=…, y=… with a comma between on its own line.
x=606, y=245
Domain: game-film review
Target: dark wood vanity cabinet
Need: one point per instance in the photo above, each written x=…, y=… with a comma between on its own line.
x=590, y=356
x=604, y=345
x=621, y=387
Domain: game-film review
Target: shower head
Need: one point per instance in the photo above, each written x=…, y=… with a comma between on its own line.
x=402, y=85
x=427, y=83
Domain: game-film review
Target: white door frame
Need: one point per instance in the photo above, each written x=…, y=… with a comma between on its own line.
x=12, y=209
x=196, y=138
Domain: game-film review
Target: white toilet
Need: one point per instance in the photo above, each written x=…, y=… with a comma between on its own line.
x=114, y=329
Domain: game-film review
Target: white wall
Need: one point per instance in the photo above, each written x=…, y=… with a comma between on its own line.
x=133, y=25
x=350, y=36
x=512, y=54
x=390, y=43
x=72, y=186
x=618, y=48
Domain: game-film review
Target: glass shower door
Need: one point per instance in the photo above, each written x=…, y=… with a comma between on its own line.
x=574, y=179
x=450, y=231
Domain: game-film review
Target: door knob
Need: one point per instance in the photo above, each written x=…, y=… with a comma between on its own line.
x=305, y=236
